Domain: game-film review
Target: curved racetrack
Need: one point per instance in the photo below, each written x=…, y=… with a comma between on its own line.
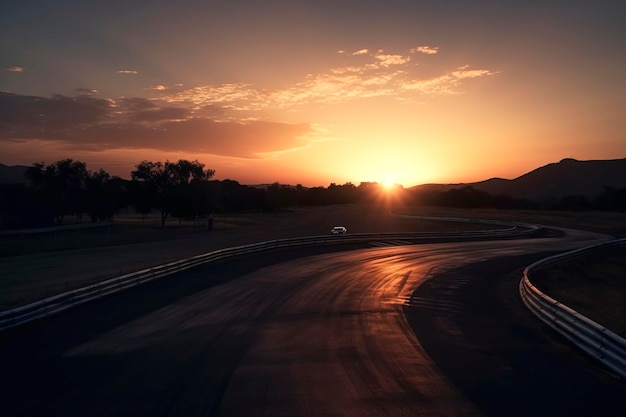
x=430, y=329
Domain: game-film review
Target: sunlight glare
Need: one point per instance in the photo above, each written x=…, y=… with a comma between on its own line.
x=388, y=183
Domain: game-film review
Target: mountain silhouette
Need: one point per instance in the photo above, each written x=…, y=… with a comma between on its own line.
x=552, y=181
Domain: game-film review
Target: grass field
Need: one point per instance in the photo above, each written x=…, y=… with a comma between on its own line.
x=128, y=228
x=38, y=265
x=132, y=228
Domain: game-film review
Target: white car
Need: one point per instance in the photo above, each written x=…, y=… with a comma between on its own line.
x=338, y=230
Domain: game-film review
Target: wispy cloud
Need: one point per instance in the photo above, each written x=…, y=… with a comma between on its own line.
x=239, y=96
x=88, y=91
x=428, y=50
x=447, y=83
x=156, y=88
x=388, y=75
x=388, y=60
x=128, y=72
x=15, y=69
x=464, y=72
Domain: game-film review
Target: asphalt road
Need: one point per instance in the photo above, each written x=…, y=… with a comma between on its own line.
x=432, y=330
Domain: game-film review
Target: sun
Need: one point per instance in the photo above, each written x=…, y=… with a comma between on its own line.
x=388, y=184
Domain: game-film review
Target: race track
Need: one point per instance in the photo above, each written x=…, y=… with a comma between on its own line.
x=310, y=332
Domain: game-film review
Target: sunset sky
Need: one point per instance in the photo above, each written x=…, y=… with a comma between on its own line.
x=314, y=92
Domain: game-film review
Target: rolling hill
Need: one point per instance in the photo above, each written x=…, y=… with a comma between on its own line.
x=555, y=180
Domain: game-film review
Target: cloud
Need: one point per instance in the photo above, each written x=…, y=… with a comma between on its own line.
x=156, y=88
x=237, y=96
x=158, y=114
x=30, y=115
x=88, y=91
x=463, y=72
x=86, y=123
x=447, y=83
x=134, y=104
x=221, y=119
x=428, y=50
x=242, y=140
x=15, y=69
x=128, y=72
x=337, y=86
x=383, y=75
x=388, y=60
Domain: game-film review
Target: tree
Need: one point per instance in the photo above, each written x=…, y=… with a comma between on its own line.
x=167, y=185
x=20, y=207
x=611, y=199
x=61, y=186
x=280, y=196
x=105, y=195
x=232, y=196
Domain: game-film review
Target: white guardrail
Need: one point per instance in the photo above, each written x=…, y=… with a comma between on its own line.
x=598, y=341
x=58, y=303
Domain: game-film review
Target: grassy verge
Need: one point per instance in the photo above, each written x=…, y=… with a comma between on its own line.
x=594, y=285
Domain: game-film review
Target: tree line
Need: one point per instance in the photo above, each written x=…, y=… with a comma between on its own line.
x=610, y=199
x=185, y=189
x=182, y=189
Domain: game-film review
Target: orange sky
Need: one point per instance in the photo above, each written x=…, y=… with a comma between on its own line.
x=314, y=92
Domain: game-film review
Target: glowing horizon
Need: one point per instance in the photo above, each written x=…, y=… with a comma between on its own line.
x=313, y=94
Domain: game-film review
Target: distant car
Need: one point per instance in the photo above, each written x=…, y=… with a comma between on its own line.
x=338, y=230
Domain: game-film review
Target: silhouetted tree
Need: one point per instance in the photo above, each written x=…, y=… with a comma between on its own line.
x=315, y=196
x=611, y=199
x=105, y=195
x=61, y=186
x=506, y=202
x=572, y=203
x=342, y=194
x=467, y=197
x=232, y=196
x=20, y=206
x=369, y=191
x=281, y=196
x=167, y=186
